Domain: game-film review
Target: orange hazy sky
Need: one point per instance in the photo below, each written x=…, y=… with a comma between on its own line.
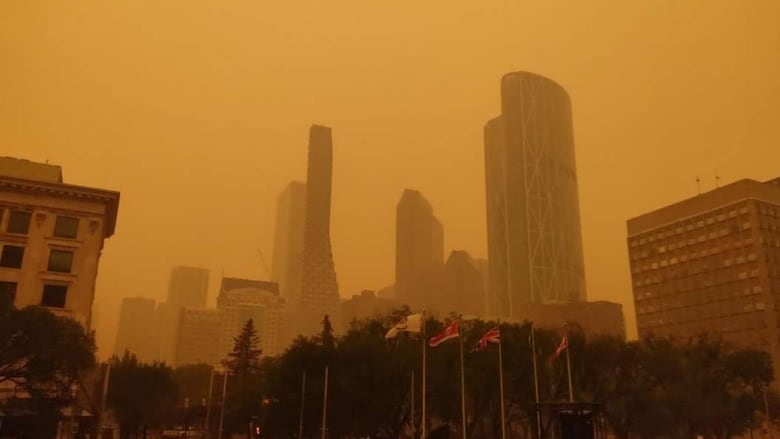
x=198, y=113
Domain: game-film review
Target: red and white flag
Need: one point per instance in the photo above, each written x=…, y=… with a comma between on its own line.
x=449, y=332
x=492, y=336
x=562, y=347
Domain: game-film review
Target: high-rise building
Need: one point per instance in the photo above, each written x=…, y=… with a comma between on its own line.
x=364, y=305
x=188, y=287
x=319, y=287
x=137, y=331
x=534, y=236
x=419, y=245
x=711, y=264
x=51, y=237
x=288, y=240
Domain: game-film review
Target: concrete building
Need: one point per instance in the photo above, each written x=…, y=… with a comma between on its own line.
x=419, y=245
x=188, y=287
x=364, y=305
x=711, y=264
x=202, y=336
x=51, y=238
x=534, y=235
x=319, y=287
x=207, y=335
x=260, y=301
x=137, y=331
x=287, y=260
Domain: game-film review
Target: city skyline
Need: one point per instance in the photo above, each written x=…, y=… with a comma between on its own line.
x=201, y=122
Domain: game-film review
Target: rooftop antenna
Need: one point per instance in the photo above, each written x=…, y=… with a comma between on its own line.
x=698, y=185
x=717, y=179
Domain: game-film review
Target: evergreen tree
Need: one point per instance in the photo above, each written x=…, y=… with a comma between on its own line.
x=245, y=358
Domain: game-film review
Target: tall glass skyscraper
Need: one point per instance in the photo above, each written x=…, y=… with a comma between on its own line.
x=533, y=214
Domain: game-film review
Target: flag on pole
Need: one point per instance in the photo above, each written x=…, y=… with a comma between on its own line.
x=562, y=347
x=449, y=332
x=410, y=323
x=492, y=336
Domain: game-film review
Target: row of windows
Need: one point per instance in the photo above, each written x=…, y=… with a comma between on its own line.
x=733, y=318
x=19, y=224
x=60, y=261
x=53, y=296
x=700, y=239
x=696, y=292
x=725, y=260
x=691, y=225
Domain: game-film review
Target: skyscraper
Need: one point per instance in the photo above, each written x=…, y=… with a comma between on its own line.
x=136, y=332
x=419, y=245
x=533, y=217
x=188, y=287
x=319, y=287
x=709, y=264
x=288, y=240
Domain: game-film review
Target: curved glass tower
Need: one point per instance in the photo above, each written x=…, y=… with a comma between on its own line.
x=533, y=214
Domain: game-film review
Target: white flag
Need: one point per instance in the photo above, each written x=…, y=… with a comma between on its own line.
x=410, y=323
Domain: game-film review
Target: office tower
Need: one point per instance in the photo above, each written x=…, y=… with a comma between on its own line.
x=319, y=287
x=419, y=246
x=363, y=306
x=533, y=218
x=260, y=301
x=137, y=332
x=51, y=237
x=188, y=287
x=711, y=264
x=288, y=239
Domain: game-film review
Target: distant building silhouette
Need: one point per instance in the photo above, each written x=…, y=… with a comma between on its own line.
x=319, y=287
x=188, y=287
x=710, y=264
x=53, y=235
x=534, y=236
x=364, y=305
x=137, y=331
x=419, y=246
x=287, y=260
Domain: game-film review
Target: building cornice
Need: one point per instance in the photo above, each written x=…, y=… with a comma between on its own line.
x=68, y=191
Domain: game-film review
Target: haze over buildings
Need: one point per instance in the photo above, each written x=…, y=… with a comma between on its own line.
x=198, y=136
x=419, y=246
x=533, y=219
x=287, y=260
x=711, y=264
x=138, y=330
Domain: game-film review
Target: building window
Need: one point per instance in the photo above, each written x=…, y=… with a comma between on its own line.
x=60, y=261
x=66, y=227
x=19, y=222
x=7, y=292
x=54, y=296
x=12, y=256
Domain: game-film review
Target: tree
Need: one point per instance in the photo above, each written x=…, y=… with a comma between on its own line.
x=140, y=394
x=245, y=358
x=326, y=336
x=44, y=355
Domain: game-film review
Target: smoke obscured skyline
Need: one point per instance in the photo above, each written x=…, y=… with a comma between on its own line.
x=198, y=113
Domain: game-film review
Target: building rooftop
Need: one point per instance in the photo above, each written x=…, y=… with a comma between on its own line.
x=19, y=175
x=690, y=207
x=234, y=283
x=27, y=170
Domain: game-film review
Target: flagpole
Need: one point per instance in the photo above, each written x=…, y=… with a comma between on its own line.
x=303, y=399
x=501, y=381
x=423, y=431
x=325, y=405
x=536, y=383
x=411, y=406
x=462, y=389
x=568, y=371
x=208, y=402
